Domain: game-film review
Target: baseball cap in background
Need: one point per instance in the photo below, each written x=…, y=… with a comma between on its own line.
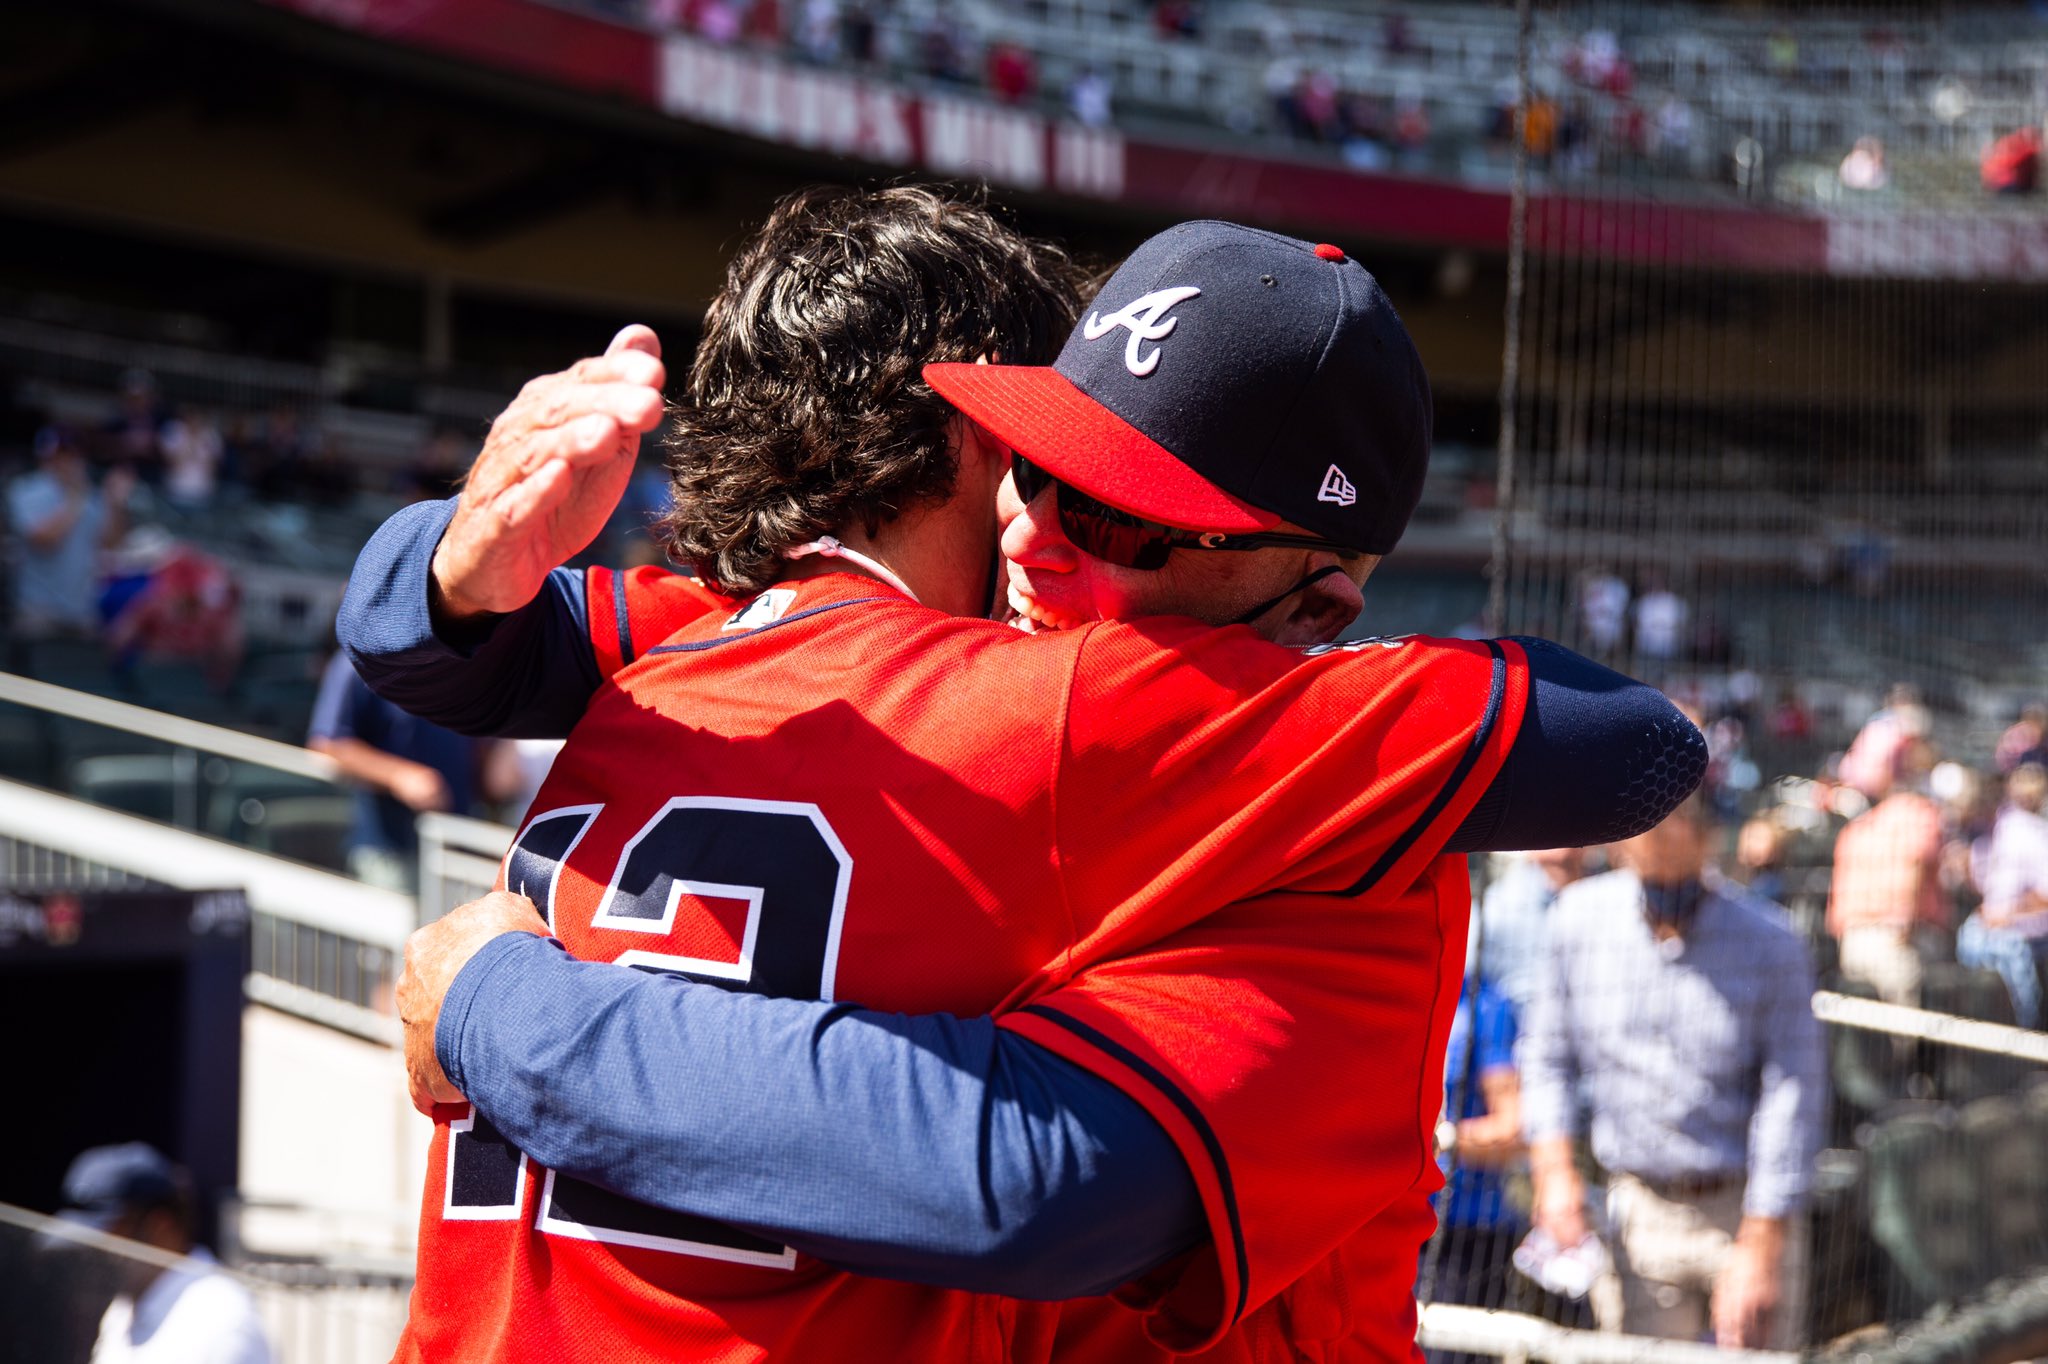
x=1227, y=379
x=106, y=1181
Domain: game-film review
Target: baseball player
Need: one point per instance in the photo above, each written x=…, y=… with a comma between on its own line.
x=1285, y=787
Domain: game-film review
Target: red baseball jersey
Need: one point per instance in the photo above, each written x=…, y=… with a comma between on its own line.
x=832, y=792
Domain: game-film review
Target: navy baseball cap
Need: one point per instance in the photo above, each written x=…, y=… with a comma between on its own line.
x=107, y=1181
x=1226, y=379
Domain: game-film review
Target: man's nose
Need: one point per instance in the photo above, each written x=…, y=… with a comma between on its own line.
x=1033, y=539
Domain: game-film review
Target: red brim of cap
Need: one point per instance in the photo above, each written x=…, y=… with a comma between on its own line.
x=1041, y=414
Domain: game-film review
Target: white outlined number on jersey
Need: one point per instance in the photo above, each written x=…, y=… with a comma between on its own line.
x=787, y=866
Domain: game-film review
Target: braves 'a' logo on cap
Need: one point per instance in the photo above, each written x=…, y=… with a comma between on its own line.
x=1337, y=488
x=1143, y=316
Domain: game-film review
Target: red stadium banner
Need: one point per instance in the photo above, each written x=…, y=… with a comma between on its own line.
x=836, y=113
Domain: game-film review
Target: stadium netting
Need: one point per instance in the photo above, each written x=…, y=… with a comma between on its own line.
x=1775, y=437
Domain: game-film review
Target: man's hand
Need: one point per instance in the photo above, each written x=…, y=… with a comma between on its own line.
x=1559, y=1195
x=1746, y=1294
x=550, y=475
x=434, y=956
x=419, y=787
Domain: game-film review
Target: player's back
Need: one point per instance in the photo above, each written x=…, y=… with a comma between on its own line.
x=837, y=793
x=804, y=808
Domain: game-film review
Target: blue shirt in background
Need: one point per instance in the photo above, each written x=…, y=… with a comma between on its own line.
x=1483, y=1037
x=348, y=709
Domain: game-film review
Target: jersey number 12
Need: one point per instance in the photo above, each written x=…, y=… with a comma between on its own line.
x=778, y=858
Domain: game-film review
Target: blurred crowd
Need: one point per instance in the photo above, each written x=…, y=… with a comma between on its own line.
x=1638, y=1090
x=1389, y=90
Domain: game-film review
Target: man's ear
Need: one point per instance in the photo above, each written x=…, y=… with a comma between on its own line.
x=1321, y=611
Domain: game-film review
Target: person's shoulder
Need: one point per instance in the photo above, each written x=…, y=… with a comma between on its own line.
x=1586, y=900
x=1764, y=927
x=1756, y=911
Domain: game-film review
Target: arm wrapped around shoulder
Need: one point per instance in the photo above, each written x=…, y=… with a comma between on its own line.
x=1599, y=757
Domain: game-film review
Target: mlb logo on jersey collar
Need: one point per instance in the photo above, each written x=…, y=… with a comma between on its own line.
x=771, y=606
x=1226, y=379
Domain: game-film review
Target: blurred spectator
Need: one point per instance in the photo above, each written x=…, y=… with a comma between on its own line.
x=135, y=433
x=717, y=21
x=1411, y=128
x=1089, y=97
x=1177, y=18
x=1012, y=74
x=942, y=48
x=190, y=1313
x=1539, y=129
x=1760, y=858
x=1791, y=721
x=1673, y=134
x=192, y=455
x=1397, y=35
x=1364, y=120
x=62, y=524
x=2009, y=931
x=1315, y=105
x=1708, y=1134
x=1863, y=169
x=187, y=609
x=1603, y=611
x=2024, y=741
x=402, y=765
x=1483, y=1101
x=1885, y=898
x=1661, y=620
x=516, y=768
x=763, y=25
x=859, y=33
x=1510, y=928
x=2012, y=164
x=820, y=31
x=1872, y=762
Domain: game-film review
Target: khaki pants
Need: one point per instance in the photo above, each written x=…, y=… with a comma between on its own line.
x=1668, y=1253
x=1886, y=958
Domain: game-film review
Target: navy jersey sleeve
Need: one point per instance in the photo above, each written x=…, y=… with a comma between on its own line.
x=930, y=1149
x=1599, y=757
x=525, y=675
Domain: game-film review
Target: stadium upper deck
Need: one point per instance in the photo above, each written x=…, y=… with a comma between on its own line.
x=1384, y=120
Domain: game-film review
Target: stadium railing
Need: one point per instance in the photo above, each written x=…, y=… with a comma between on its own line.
x=227, y=807
x=459, y=860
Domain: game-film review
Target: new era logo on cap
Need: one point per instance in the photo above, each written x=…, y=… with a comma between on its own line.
x=1337, y=488
x=1142, y=316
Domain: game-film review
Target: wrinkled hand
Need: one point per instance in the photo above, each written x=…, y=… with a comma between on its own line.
x=549, y=476
x=1746, y=1295
x=434, y=956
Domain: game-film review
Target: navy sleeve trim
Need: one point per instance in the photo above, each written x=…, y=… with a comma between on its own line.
x=619, y=616
x=1496, y=697
x=1598, y=757
x=1210, y=1142
x=527, y=674
x=701, y=644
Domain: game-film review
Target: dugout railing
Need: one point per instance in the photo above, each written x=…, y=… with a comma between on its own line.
x=205, y=808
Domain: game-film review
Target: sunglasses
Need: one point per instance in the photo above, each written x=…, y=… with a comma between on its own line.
x=1117, y=537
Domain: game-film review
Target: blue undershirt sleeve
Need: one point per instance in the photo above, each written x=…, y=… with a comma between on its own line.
x=1599, y=757
x=525, y=675
x=932, y=1149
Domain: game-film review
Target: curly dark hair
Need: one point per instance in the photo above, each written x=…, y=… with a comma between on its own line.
x=806, y=411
